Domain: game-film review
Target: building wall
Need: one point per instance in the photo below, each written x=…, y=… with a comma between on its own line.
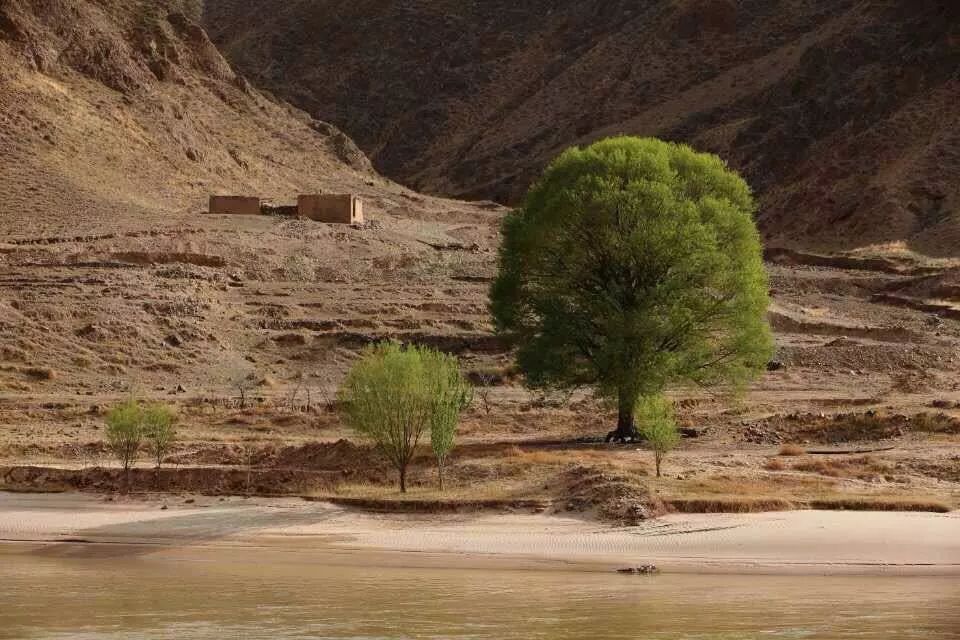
x=334, y=208
x=235, y=205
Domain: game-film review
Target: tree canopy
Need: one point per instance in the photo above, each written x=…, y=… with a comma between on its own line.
x=634, y=263
x=393, y=394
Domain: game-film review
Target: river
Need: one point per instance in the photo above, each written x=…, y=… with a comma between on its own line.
x=238, y=595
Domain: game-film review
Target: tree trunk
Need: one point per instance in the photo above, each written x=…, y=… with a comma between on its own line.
x=403, y=479
x=657, y=457
x=440, y=474
x=626, y=427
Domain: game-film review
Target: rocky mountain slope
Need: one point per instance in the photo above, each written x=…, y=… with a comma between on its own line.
x=117, y=119
x=119, y=112
x=841, y=114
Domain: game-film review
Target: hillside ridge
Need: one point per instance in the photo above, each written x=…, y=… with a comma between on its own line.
x=841, y=115
x=113, y=109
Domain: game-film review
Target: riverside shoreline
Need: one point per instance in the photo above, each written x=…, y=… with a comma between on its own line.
x=291, y=530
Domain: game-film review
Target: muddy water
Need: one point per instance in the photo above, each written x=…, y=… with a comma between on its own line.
x=235, y=596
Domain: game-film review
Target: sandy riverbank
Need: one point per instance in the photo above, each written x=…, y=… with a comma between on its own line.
x=819, y=542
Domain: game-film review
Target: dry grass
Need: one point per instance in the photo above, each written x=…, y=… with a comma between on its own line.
x=899, y=250
x=39, y=373
x=865, y=468
x=935, y=423
x=791, y=450
x=426, y=489
x=789, y=486
x=743, y=495
x=731, y=504
x=880, y=503
x=440, y=505
x=731, y=494
x=774, y=464
x=555, y=457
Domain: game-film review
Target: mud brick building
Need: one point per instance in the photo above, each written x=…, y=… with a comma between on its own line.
x=336, y=208
x=235, y=205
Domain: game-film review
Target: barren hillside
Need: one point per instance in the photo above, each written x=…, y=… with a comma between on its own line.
x=117, y=120
x=114, y=112
x=841, y=114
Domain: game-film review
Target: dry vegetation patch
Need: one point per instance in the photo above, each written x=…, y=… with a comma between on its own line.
x=791, y=450
x=880, y=503
x=613, y=495
x=730, y=504
x=868, y=426
x=866, y=468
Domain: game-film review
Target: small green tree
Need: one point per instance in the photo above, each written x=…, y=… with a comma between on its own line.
x=160, y=432
x=389, y=396
x=657, y=425
x=450, y=394
x=125, y=434
x=634, y=263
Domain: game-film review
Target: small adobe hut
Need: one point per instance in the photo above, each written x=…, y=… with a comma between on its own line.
x=235, y=205
x=335, y=208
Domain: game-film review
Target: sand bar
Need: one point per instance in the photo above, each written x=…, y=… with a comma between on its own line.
x=821, y=542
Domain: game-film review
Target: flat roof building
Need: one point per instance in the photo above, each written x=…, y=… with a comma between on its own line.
x=235, y=205
x=329, y=207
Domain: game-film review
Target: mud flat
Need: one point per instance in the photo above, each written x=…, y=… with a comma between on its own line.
x=800, y=542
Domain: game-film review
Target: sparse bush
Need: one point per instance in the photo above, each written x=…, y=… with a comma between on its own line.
x=244, y=383
x=83, y=362
x=39, y=373
x=484, y=381
x=773, y=464
x=655, y=416
x=484, y=393
x=125, y=433
x=388, y=396
x=792, y=450
x=935, y=423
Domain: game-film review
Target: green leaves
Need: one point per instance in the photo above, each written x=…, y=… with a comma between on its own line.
x=632, y=264
x=158, y=427
x=657, y=426
x=130, y=422
x=393, y=394
x=125, y=431
x=655, y=417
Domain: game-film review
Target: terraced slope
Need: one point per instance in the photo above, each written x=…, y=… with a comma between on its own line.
x=117, y=120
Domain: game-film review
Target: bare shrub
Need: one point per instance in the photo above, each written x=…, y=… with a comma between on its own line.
x=773, y=464
x=791, y=450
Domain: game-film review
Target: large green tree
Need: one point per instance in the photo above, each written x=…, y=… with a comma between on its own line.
x=634, y=263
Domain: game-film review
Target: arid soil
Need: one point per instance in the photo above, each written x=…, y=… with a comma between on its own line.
x=112, y=282
x=121, y=117
x=842, y=115
x=288, y=530
x=864, y=394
